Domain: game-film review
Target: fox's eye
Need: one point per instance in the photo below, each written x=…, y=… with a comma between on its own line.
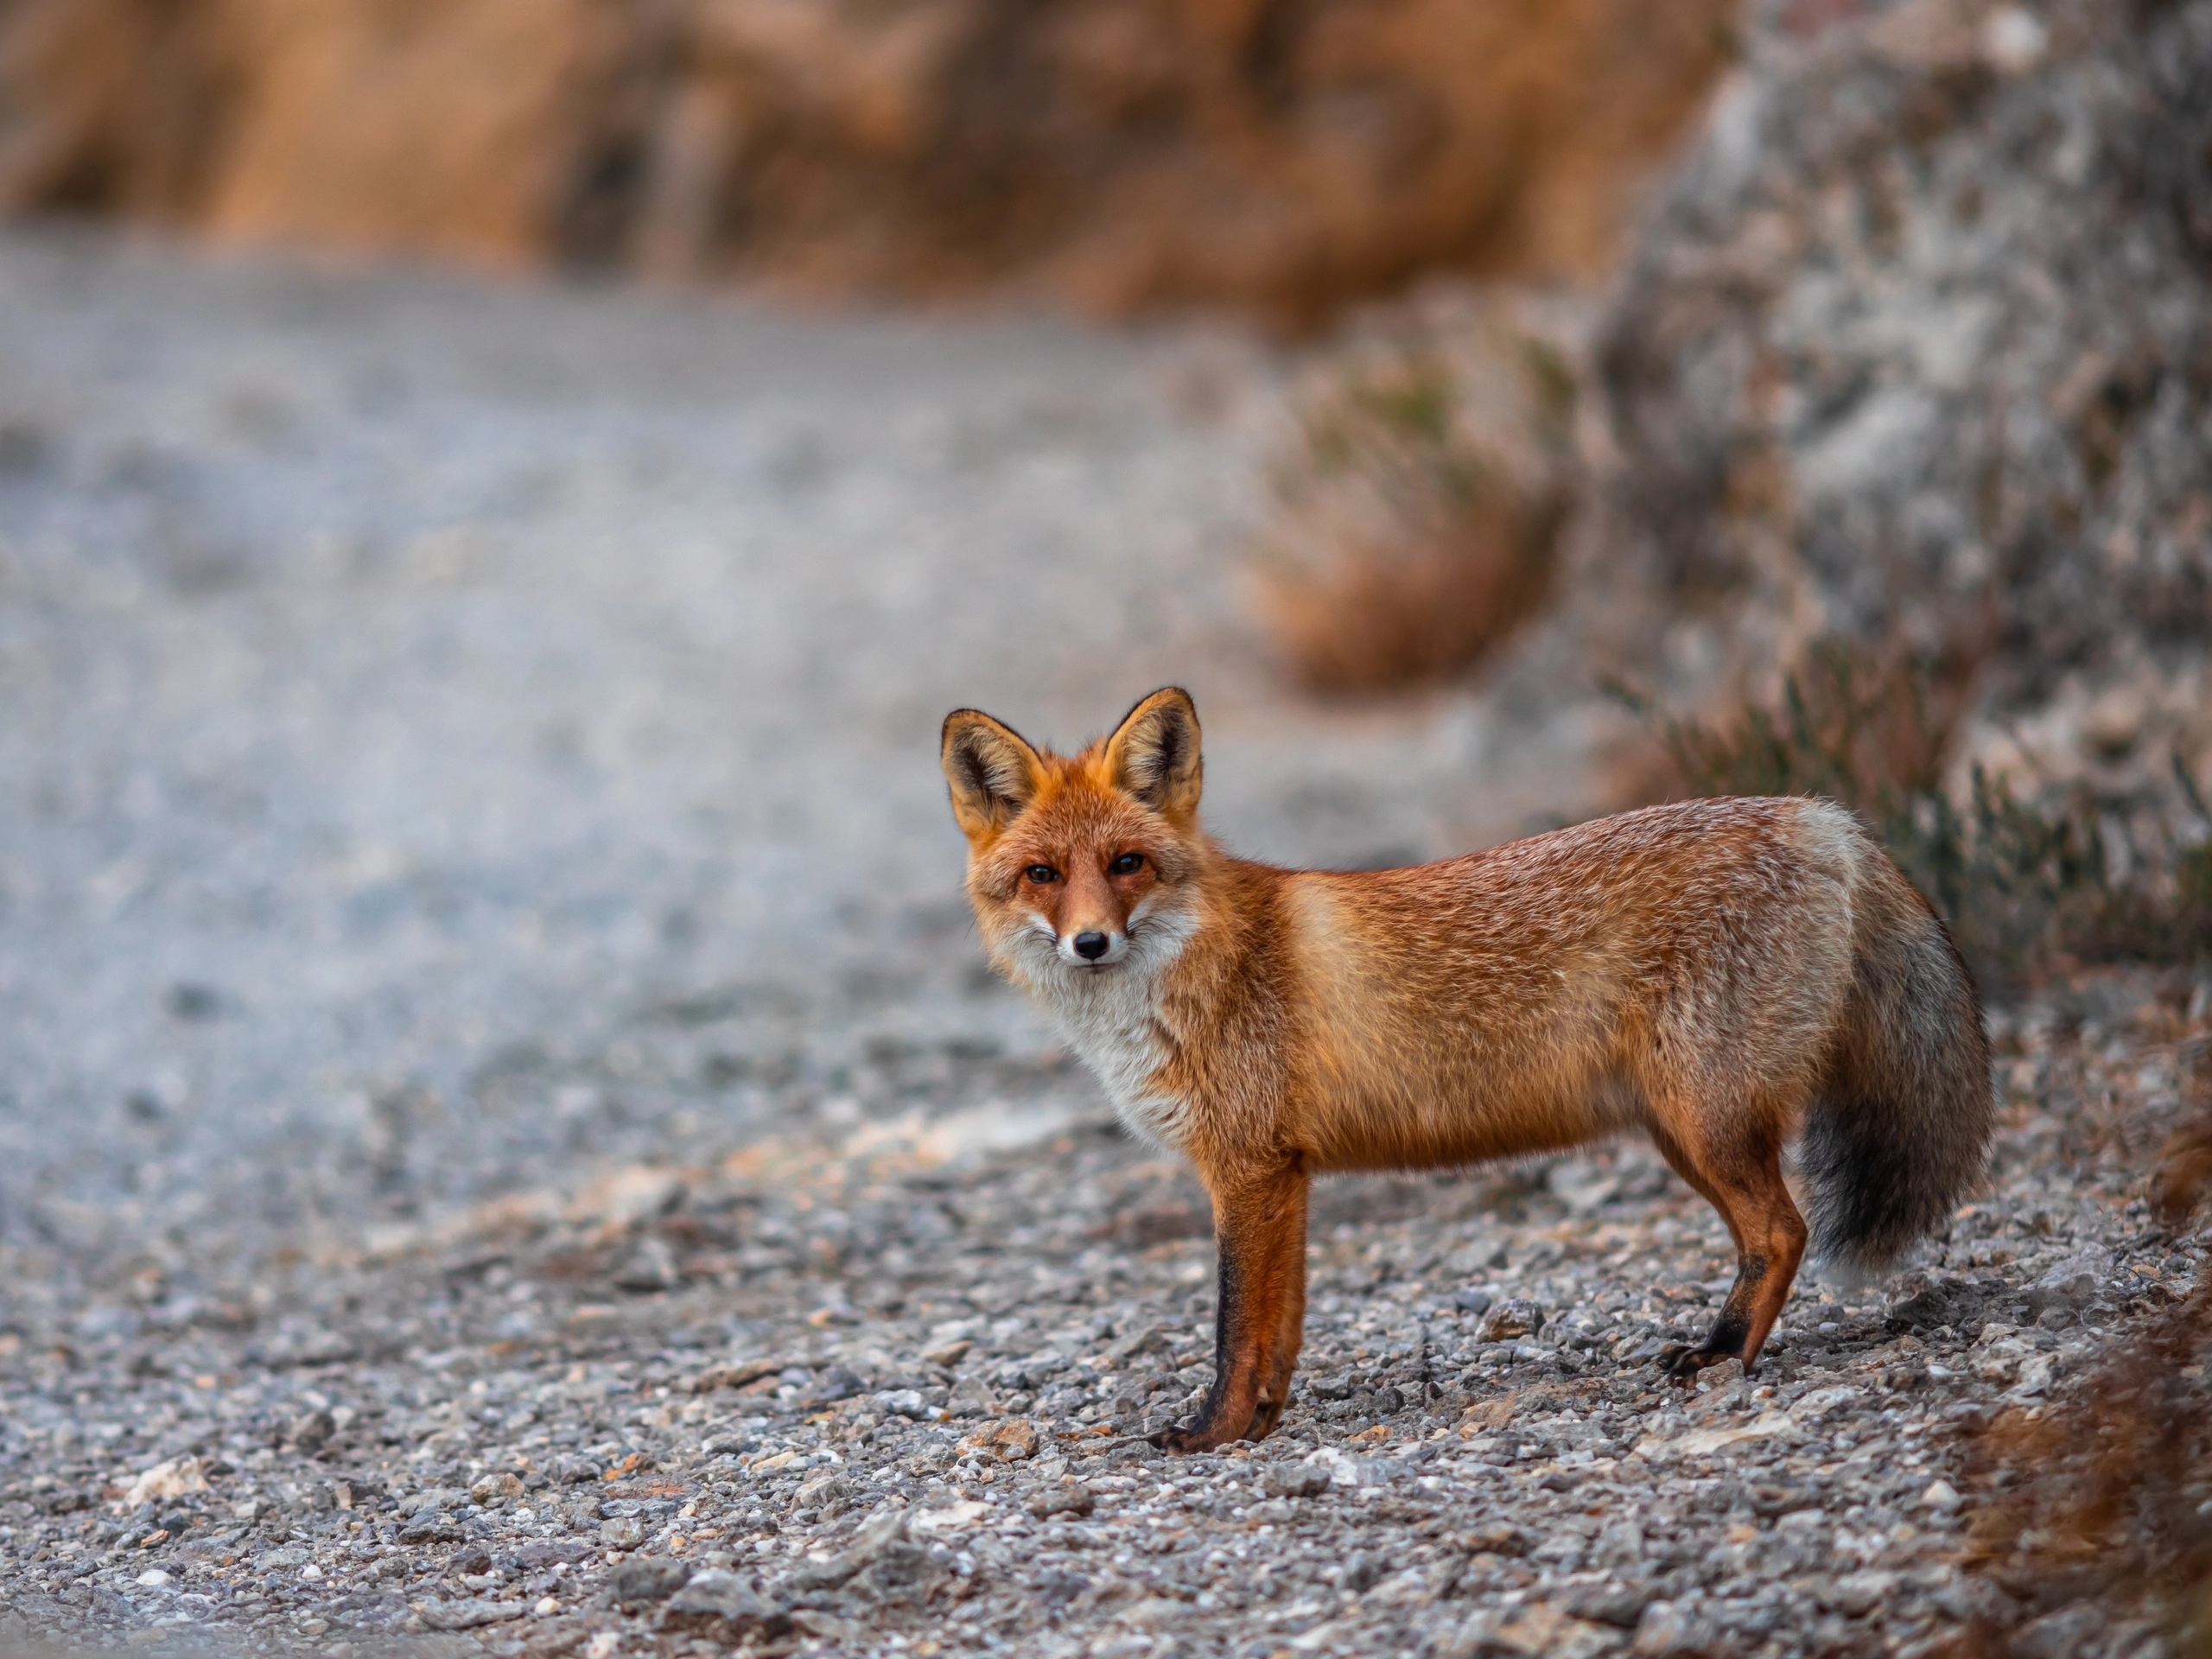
x=1043, y=874
x=1126, y=864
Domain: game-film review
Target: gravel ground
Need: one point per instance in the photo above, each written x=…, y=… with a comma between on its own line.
x=504, y=1143
x=426, y=701
x=878, y=1392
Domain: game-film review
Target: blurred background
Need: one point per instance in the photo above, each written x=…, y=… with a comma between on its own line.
x=496, y=496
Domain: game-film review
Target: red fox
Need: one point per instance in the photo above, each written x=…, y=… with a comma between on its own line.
x=1729, y=976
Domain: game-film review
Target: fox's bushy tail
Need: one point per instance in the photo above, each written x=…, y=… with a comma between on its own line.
x=1900, y=1130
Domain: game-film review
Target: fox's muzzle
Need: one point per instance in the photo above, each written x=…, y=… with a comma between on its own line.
x=1094, y=947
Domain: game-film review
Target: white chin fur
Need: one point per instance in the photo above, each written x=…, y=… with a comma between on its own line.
x=1107, y=1017
x=1117, y=951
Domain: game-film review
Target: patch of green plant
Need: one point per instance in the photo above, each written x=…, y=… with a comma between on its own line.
x=1419, y=510
x=2026, y=881
x=1396, y=426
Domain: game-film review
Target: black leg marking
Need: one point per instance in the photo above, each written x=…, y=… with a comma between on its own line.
x=1229, y=1293
x=1730, y=1332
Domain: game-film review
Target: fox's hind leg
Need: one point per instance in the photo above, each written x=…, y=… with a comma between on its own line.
x=1741, y=1179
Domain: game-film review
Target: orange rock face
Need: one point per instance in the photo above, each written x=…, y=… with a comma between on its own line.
x=452, y=129
x=1281, y=155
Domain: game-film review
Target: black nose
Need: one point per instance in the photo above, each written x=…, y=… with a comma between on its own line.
x=1092, y=946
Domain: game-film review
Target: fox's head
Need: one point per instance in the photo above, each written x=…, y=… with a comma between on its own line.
x=1081, y=865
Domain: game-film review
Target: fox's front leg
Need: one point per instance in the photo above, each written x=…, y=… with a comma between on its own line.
x=1260, y=1233
x=1290, y=1336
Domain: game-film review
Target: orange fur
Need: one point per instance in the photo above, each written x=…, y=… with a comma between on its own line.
x=1727, y=975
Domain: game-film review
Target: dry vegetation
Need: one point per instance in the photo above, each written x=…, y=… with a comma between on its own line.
x=2105, y=1500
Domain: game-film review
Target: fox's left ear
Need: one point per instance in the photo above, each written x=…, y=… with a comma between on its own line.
x=1154, y=754
x=992, y=769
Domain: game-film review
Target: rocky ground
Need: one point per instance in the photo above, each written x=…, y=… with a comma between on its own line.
x=879, y=1389
x=505, y=1143
x=430, y=706
x=463, y=742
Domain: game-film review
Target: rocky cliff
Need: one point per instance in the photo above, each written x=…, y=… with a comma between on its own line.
x=1918, y=350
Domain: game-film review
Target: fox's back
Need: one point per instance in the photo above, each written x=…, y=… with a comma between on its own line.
x=1511, y=995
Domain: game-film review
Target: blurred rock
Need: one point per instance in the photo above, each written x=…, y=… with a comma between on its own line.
x=429, y=1527
x=494, y=1489
x=1666, y=1631
x=636, y=1193
x=1006, y=1442
x=725, y=1607
x=1277, y=155
x=472, y=1614
x=1297, y=1480
x=652, y=1268
x=1516, y=1316
x=635, y=1582
x=1070, y=1497
x=1918, y=350
x=177, y=1478
x=972, y=1397
x=1921, y=1300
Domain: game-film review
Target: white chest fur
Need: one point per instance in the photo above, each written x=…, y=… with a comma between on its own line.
x=1109, y=1024
x=1110, y=1019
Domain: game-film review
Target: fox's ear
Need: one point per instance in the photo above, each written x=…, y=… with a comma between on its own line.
x=993, y=771
x=1154, y=754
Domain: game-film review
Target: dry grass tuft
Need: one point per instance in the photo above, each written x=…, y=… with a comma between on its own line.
x=1421, y=503
x=2100, y=1499
x=2184, y=1177
x=2105, y=1499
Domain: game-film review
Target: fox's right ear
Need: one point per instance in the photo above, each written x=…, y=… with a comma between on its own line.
x=993, y=770
x=1153, y=753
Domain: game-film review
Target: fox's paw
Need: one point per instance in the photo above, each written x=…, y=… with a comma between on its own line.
x=1682, y=1365
x=1189, y=1437
x=1264, y=1419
